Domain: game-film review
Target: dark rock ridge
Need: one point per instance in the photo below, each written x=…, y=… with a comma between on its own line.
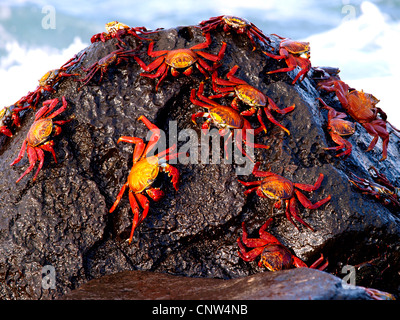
x=293, y=284
x=62, y=220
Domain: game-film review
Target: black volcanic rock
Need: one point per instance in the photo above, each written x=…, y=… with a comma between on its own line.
x=62, y=220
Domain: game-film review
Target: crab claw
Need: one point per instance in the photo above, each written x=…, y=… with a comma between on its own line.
x=155, y=193
x=173, y=173
x=4, y=130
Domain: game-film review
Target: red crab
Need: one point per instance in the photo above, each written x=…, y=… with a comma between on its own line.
x=246, y=93
x=103, y=64
x=9, y=117
x=278, y=188
x=274, y=255
x=144, y=171
x=40, y=134
x=180, y=60
x=337, y=128
x=225, y=118
x=239, y=25
x=116, y=29
x=50, y=79
x=381, y=188
x=362, y=108
x=295, y=53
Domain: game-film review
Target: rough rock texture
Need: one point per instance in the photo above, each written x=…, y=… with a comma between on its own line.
x=62, y=219
x=293, y=284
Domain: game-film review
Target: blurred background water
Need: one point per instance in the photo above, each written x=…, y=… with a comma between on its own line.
x=359, y=37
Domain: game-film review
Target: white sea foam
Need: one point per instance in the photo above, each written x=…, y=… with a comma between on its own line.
x=366, y=52
x=21, y=68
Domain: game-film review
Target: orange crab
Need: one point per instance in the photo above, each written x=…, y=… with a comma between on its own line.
x=240, y=25
x=144, y=171
x=274, y=255
x=362, y=108
x=40, y=134
x=337, y=127
x=116, y=29
x=296, y=54
x=50, y=79
x=249, y=95
x=116, y=56
x=278, y=188
x=180, y=60
x=225, y=118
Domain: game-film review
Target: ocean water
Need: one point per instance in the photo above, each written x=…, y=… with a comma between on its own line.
x=359, y=37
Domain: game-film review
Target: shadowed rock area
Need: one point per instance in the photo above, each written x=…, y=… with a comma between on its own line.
x=62, y=220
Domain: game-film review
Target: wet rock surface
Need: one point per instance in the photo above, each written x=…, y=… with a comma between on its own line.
x=293, y=284
x=61, y=220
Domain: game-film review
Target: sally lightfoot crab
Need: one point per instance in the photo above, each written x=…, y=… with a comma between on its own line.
x=50, y=79
x=225, y=118
x=295, y=54
x=144, y=171
x=116, y=29
x=381, y=188
x=250, y=96
x=239, y=25
x=278, y=188
x=40, y=134
x=361, y=106
x=104, y=63
x=273, y=254
x=337, y=128
x=180, y=61
x=10, y=117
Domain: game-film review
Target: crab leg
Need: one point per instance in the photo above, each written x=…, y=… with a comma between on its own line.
x=294, y=212
x=309, y=187
x=232, y=78
x=377, y=128
x=4, y=130
x=266, y=235
x=164, y=72
x=307, y=203
x=272, y=119
x=48, y=106
x=135, y=210
x=155, y=134
x=139, y=146
x=213, y=57
x=61, y=110
x=152, y=66
x=40, y=157
x=298, y=263
x=20, y=154
x=49, y=147
x=248, y=184
x=32, y=156
x=204, y=44
x=119, y=197
x=318, y=262
x=144, y=203
x=259, y=173
x=248, y=255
